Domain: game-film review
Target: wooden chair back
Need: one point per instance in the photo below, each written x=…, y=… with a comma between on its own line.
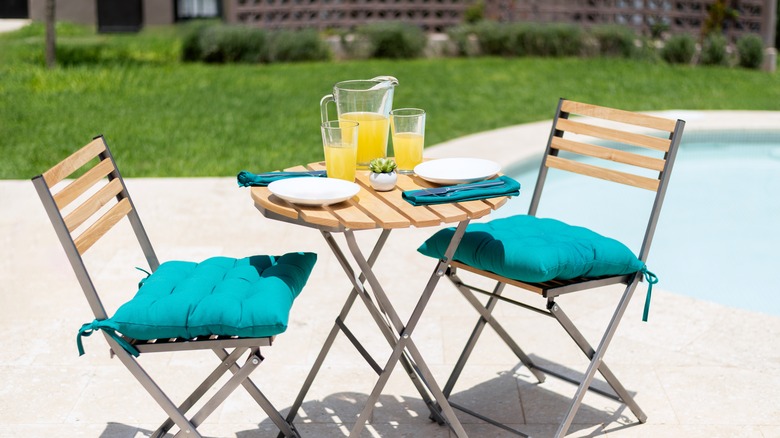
x=84, y=208
x=619, y=146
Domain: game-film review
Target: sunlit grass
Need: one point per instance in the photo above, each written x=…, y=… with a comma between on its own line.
x=165, y=118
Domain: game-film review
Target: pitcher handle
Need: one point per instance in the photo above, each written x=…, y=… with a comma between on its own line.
x=324, y=107
x=390, y=79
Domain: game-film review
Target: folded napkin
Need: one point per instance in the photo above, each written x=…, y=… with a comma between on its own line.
x=246, y=179
x=492, y=188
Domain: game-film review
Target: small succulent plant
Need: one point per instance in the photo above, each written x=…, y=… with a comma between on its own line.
x=382, y=165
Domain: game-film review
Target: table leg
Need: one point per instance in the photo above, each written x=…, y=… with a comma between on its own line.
x=396, y=333
x=336, y=326
x=405, y=342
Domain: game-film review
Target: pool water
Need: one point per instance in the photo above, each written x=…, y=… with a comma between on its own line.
x=718, y=237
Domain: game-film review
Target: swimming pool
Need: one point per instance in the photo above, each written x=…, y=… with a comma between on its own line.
x=718, y=236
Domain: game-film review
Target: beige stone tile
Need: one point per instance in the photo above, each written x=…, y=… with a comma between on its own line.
x=73, y=430
x=721, y=395
x=770, y=431
x=699, y=431
x=483, y=430
x=40, y=394
x=741, y=339
x=495, y=395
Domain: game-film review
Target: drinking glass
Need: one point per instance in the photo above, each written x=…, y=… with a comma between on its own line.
x=408, y=127
x=339, y=139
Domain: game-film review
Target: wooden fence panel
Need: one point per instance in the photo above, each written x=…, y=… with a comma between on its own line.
x=678, y=16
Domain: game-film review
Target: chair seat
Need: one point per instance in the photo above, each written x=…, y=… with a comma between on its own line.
x=536, y=250
x=247, y=297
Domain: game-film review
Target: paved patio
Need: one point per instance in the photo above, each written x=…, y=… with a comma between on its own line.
x=698, y=369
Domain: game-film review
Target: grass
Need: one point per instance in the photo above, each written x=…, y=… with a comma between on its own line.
x=165, y=118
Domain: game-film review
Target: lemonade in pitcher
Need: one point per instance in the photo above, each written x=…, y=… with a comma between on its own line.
x=372, y=136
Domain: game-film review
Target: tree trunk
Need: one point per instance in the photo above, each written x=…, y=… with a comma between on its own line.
x=51, y=55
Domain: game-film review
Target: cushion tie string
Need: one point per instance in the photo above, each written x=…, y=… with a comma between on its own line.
x=91, y=327
x=651, y=280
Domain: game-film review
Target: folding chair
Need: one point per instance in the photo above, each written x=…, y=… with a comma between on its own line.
x=552, y=258
x=230, y=306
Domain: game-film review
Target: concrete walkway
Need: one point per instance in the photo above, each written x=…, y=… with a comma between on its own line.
x=698, y=369
x=12, y=24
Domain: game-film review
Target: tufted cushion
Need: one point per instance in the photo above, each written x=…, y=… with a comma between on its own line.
x=534, y=250
x=248, y=297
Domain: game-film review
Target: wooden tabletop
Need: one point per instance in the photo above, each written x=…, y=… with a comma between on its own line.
x=371, y=209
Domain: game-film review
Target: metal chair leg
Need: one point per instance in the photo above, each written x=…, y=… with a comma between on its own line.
x=153, y=389
x=596, y=360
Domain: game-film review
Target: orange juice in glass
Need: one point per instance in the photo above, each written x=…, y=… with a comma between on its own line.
x=339, y=140
x=408, y=126
x=372, y=135
x=408, y=147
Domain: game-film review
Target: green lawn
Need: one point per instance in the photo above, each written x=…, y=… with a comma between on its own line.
x=163, y=118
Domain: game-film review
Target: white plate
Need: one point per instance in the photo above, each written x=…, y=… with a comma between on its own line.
x=313, y=191
x=456, y=170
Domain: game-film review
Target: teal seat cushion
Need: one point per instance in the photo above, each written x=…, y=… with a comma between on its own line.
x=534, y=250
x=247, y=297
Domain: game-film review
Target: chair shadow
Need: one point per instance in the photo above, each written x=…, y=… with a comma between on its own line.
x=341, y=409
x=338, y=411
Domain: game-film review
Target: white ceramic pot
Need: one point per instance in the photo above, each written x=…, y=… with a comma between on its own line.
x=383, y=182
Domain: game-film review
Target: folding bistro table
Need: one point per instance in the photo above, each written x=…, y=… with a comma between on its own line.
x=370, y=209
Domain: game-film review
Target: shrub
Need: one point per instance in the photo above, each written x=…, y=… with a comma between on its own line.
x=522, y=39
x=461, y=40
x=91, y=51
x=72, y=53
x=190, y=44
x=548, y=40
x=475, y=12
x=647, y=50
x=616, y=41
x=296, y=46
x=679, y=49
x=494, y=38
x=222, y=44
x=750, y=50
x=713, y=50
x=393, y=40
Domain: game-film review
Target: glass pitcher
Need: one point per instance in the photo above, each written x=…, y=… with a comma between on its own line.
x=367, y=102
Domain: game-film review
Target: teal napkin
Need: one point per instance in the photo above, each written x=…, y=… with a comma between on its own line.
x=246, y=179
x=492, y=188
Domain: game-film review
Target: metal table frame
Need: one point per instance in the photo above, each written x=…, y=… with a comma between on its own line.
x=397, y=333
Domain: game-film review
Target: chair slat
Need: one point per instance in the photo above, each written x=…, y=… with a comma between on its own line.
x=610, y=154
x=69, y=165
x=602, y=173
x=102, y=225
x=93, y=204
x=645, y=141
x=616, y=115
x=83, y=183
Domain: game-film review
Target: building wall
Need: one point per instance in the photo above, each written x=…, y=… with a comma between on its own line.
x=75, y=11
x=156, y=12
